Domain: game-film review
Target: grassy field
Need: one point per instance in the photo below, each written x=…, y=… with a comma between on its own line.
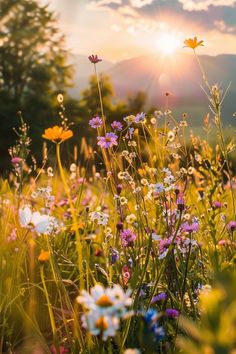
x=131, y=250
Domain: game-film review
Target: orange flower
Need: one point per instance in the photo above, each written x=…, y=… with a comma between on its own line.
x=44, y=256
x=193, y=43
x=57, y=134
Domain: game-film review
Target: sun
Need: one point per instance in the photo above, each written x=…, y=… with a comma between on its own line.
x=168, y=43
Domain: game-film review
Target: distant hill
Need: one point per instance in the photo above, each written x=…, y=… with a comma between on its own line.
x=179, y=75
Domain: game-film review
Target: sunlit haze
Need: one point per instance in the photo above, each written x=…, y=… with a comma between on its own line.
x=121, y=29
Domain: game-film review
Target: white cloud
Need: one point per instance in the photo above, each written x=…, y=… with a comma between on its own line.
x=203, y=5
x=223, y=27
x=140, y=3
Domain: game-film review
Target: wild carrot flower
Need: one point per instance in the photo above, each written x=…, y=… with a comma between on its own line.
x=107, y=141
x=94, y=59
x=193, y=43
x=117, y=126
x=57, y=134
x=95, y=122
x=127, y=238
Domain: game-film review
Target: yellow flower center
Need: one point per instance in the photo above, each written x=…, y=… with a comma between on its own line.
x=104, y=301
x=102, y=324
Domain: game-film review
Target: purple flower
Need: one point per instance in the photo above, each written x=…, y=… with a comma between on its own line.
x=159, y=297
x=172, y=313
x=95, y=122
x=114, y=254
x=127, y=238
x=180, y=202
x=216, y=204
x=94, y=59
x=108, y=140
x=140, y=117
x=187, y=227
x=231, y=226
x=116, y=125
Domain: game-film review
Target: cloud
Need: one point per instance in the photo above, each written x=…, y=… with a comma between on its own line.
x=203, y=5
x=223, y=27
x=140, y=3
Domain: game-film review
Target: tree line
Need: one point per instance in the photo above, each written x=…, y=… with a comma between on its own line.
x=34, y=68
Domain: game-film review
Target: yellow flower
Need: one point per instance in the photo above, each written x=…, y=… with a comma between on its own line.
x=57, y=134
x=193, y=43
x=44, y=256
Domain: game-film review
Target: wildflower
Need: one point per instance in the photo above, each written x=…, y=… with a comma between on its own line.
x=13, y=235
x=172, y=313
x=216, y=205
x=94, y=59
x=114, y=254
x=129, y=119
x=132, y=351
x=100, y=217
x=151, y=319
x=34, y=220
x=16, y=160
x=140, y=117
x=187, y=227
x=171, y=136
x=153, y=120
x=159, y=297
x=191, y=170
x=116, y=125
x=156, y=237
x=127, y=238
x=158, y=188
x=123, y=200
x=231, y=226
x=44, y=256
x=95, y=122
x=73, y=167
x=126, y=274
x=193, y=43
x=180, y=203
x=108, y=140
x=104, y=308
x=57, y=134
x=131, y=218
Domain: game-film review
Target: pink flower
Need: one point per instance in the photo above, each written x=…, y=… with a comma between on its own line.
x=108, y=140
x=94, y=59
x=231, y=225
x=95, y=122
x=16, y=160
x=127, y=238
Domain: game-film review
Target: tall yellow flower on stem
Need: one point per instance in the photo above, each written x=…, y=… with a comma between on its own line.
x=57, y=134
x=193, y=43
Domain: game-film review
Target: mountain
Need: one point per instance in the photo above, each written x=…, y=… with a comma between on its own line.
x=179, y=75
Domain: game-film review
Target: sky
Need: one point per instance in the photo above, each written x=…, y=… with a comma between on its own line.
x=121, y=29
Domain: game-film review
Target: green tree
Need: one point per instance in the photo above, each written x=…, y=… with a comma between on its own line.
x=33, y=67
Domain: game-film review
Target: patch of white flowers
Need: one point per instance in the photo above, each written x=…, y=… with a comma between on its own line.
x=104, y=309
